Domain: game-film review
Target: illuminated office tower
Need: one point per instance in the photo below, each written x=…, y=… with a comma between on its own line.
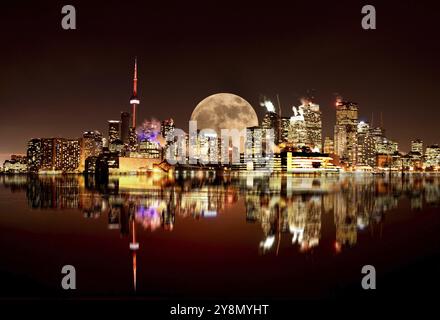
x=346, y=131
x=329, y=146
x=113, y=130
x=34, y=155
x=91, y=145
x=117, y=146
x=66, y=155
x=285, y=129
x=271, y=120
x=133, y=140
x=208, y=148
x=254, y=142
x=47, y=154
x=414, y=158
x=167, y=127
x=150, y=149
x=298, y=133
x=432, y=156
x=369, y=150
x=125, y=127
x=70, y=154
x=166, y=130
x=417, y=146
x=60, y=154
x=312, y=118
x=386, y=146
x=366, y=147
x=378, y=134
x=363, y=128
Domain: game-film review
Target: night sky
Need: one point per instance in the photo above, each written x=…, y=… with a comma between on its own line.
x=55, y=82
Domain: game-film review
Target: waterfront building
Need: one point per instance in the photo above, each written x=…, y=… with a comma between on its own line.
x=345, y=132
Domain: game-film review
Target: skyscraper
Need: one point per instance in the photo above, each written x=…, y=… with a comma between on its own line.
x=386, y=146
x=125, y=127
x=70, y=155
x=56, y=154
x=271, y=120
x=306, y=126
x=362, y=133
x=432, y=156
x=47, y=154
x=254, y=145
x=167, y=127
x=133, y=140
x=208, y=148
x=91, y=145
x=417, y=146
x=366, y=147
x=285, y=129
x=312, y=118
x=346, y=131
x=34, y=155
x=298, y=132
x=113, y=130
x=329, y=146
x=378, y=133
x=150, y=149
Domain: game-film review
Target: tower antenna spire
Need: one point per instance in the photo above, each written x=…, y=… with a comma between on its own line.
x=279, y=104
x=135, y=77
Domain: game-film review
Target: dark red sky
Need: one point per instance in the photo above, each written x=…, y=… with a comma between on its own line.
x=59, y=83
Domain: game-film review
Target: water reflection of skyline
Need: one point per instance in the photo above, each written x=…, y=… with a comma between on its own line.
x=284, y=206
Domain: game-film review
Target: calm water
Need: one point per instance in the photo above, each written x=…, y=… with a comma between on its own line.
x=227, y=237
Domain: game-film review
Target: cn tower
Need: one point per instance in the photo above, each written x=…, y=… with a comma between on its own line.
x=134, y=100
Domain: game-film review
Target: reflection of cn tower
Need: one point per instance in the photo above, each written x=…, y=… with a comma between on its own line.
x=134, y=246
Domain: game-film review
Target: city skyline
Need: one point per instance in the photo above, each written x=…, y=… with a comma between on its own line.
x=72, y=85
x=132, y=110
x=277, y=143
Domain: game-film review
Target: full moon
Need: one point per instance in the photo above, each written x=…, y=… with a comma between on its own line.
x=224, y=111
